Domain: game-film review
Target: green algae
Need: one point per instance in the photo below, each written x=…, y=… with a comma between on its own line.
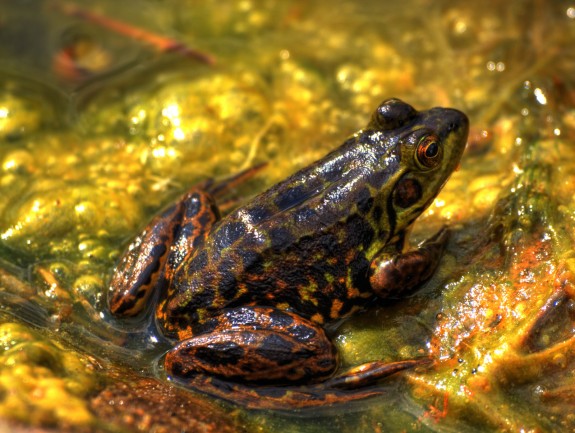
x=85, y=163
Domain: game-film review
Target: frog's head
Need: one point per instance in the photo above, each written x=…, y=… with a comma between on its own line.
x=429, y=146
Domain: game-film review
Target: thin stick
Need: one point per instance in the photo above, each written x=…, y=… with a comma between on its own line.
x=161, y=43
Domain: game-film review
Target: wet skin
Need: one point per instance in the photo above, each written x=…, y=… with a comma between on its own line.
x=247, y=297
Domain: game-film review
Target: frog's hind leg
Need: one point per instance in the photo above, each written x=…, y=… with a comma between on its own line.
x=348, y=387
x=281, y=398
x=262, y=357
x=249, y=355
x=221, y=187
x=371, y=372
x=146, y=265
x=258, y=345
x=150, y=260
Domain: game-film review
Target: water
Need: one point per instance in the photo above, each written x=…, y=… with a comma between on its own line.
x=100, y=127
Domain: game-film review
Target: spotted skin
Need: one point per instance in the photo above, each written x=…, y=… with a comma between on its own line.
x=256, y=344
x=281, y=397
x=164, y=244
x=247, y=297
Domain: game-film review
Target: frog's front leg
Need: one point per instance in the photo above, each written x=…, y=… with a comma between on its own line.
x=391, y=274
x=258, y=345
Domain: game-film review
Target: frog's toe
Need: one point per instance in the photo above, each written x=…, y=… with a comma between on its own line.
x=439, y=238
x=371, y=372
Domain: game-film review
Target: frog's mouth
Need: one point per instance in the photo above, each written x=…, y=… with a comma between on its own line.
x=453, y=134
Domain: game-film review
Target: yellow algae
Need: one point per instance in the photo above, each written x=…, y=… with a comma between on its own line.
x=43, y=383
x=83, y=168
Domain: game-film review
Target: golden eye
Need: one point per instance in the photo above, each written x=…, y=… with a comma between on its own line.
x=429, y=151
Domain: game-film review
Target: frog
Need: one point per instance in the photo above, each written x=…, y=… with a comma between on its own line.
x=250, y=300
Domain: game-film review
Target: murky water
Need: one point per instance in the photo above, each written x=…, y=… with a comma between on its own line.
x=109, y=112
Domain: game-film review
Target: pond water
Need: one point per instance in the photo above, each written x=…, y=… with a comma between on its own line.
x=109, y=112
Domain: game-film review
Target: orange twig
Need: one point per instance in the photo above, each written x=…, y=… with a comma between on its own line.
x=162, y=43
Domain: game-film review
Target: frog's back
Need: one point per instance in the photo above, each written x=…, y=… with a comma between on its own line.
x=306, y=243
x=301, y=243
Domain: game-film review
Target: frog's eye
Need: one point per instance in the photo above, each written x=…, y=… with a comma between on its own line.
x=429, y=151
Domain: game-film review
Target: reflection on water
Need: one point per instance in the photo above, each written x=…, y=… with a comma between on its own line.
x=109, y=113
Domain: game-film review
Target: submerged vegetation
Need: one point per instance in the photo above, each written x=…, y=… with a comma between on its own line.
x=107, y=114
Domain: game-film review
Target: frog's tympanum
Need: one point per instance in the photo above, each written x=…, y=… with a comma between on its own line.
x=248, y=297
